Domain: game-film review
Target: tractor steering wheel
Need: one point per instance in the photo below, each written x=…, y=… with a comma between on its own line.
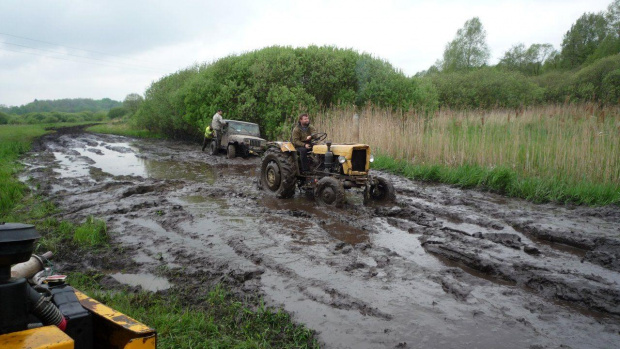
x=318, y=137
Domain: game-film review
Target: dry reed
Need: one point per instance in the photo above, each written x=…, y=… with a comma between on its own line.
x=575, y=143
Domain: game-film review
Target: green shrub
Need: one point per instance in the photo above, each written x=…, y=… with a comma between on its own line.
x=271, y=85
x=589, y=82
x=486, y=88
x=116, y=113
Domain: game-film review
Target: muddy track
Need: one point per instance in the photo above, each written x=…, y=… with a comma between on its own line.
x=441, y=268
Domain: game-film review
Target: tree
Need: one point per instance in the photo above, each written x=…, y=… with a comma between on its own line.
x=132, y=102
x=528, y=61
x=468, y=49
x=583, y=39
x=613, y=18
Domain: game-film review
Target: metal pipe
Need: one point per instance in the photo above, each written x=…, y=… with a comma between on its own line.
x=31, y=267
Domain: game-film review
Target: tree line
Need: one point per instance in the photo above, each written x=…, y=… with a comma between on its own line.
x=585, y=68
x=271, y=85
x=88, y=110
x=67, y=105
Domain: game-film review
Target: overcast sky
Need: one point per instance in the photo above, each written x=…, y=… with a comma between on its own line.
x=52, y=49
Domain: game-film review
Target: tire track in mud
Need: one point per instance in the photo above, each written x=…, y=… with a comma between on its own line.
x=443, y=268
x=330, y=296
x=506, y=257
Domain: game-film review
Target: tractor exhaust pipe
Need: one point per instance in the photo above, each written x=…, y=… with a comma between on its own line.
x=329, y=157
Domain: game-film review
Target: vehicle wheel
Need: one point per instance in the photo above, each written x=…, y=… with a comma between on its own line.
x=213, y=148
x=382, y=191
x=277, y=173
x=329, y=192
x=232, y=151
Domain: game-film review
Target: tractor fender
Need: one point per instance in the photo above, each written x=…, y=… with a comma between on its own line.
x=284, y=146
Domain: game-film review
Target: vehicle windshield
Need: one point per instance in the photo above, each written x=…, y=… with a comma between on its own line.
x=243, y=128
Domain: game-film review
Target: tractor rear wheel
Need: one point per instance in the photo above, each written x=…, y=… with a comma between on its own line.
x=381, y=191
x=329, y=192
x=277, y=173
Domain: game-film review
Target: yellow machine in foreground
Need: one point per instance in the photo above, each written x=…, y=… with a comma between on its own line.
x=333, y=168
x=45, y=312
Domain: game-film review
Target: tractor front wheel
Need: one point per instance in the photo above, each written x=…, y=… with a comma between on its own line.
x=329, y=192
x=381, y=190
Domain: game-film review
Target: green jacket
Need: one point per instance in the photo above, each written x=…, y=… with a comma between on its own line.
x=299, y=135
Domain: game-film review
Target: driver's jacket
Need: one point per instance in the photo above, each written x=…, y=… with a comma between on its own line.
x=299, y=135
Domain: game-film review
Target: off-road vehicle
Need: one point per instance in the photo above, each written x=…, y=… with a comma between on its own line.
x=333, y=168
x=239, y=138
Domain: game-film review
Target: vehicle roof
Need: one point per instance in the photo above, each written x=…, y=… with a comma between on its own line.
x=241, y=122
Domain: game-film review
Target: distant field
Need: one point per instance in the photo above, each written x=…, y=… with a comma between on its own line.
x=573, y=149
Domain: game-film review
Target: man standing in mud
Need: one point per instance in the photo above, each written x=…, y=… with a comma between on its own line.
x=302, y=135
x=216, y=126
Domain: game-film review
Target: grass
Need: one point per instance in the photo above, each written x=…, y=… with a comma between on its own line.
x=123, y=129
x=93, y=232
x=559, y=153
x=218, y=320
x=15, y=140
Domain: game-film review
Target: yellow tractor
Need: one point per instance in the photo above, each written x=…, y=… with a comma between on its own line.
x=333, y=168
x=42, y=311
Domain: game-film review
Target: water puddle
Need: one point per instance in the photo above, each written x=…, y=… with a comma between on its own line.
x=560, y=247
x=148, y=282
x=123, y=160
x=471, y=271
x=345, y=233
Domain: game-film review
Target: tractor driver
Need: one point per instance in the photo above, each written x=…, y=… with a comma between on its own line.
x=301, y=139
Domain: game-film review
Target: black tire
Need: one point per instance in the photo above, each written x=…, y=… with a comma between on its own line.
x=277, y=173
x=329, y=192
x=232, y=151
x=213, y=148
x=382, y=191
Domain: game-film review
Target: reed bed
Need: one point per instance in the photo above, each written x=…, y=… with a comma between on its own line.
x=571, y=143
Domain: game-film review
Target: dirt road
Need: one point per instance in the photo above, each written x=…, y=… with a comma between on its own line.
x=441, y=268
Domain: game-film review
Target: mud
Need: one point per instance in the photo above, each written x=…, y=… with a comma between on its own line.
x=440, y=268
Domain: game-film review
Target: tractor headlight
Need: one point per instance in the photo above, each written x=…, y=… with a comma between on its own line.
x=342, y=159
x=372, y=158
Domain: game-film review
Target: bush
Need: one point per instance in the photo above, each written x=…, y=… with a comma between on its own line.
x=610, y=89
x=271, y=85
x=116, y=113
x=598, y=81
x=589, y=82
x=4, y=118
x=486, y=88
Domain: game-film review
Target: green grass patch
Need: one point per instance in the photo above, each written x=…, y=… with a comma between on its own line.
x=507, y=182
x=218, y=320
x=123, y=129
x=93, y=232
x=15, y=140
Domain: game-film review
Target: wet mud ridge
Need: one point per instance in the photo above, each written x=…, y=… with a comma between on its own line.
x=440, y=268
